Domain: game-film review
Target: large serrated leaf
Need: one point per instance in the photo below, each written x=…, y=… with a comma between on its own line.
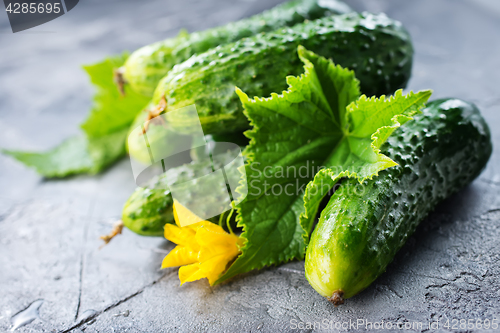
x=308, y=127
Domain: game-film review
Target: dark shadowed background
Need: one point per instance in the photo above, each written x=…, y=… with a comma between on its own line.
x=49, y=246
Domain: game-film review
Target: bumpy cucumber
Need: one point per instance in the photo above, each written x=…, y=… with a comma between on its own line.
x=146, y=66
x=377, y=48
x=149, y=208
x=357, y=236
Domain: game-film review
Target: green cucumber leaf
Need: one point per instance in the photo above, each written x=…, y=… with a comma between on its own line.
x=107, y=149
x=76, y=155
x=318, y=124
x=70, y=157
x=111, y=111
x=105, y=130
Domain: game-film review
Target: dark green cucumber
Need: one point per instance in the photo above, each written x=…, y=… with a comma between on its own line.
x=149, y=208
x=377, y=48
x=146, y=66
x=357, y=236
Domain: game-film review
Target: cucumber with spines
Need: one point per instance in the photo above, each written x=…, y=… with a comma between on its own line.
x=357, y=236
x=376, y=47
x=146, y=66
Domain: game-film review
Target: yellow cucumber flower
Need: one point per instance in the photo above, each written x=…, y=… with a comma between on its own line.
x=203, y=248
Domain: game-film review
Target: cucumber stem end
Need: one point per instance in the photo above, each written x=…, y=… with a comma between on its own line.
x=119, y=80
x=117, y=230
x=337, y=297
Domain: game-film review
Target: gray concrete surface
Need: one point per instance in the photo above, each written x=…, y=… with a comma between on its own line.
x=49, y=246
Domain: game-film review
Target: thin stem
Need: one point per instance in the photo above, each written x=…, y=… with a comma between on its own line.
x=227, y=221
x=221, y=217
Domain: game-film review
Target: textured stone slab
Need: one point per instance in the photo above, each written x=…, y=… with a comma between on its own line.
x=49, y=246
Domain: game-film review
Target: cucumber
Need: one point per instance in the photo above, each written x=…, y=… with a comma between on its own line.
x=377, y=48
x=158, y=139
x=149, y=208
x=202, y=152
x=146, y=66
x=357, y=236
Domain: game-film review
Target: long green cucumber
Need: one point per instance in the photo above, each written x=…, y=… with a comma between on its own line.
x=357, y=236
x=149, y=208
x=146, y=66
x=376, y=47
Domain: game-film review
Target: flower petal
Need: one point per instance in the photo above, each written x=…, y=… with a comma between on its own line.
x=204, y=250
x=217, y=249
x=190, y=273
x=181, y=236
x=215, y=266
x=180, y=256
x=214, y=235
x=184, y=217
